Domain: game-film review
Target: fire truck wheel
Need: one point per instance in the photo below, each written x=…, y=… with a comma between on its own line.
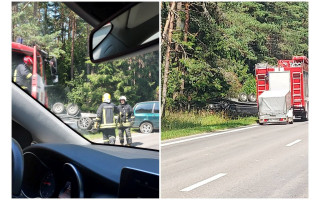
x=243, y=97
x=58, y=108
x=84, y=123
x=305, y=116
x=73, y=109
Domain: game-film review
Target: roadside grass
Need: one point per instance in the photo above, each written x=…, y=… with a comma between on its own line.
x=98, y=135
x=181, y=124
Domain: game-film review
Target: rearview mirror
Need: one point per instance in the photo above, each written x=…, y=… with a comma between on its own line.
x=132, y=31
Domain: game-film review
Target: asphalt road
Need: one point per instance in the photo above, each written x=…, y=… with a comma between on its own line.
x=144, y=140
x=269, y=161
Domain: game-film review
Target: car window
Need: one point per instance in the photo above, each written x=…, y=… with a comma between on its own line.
x=144, y=108
x=17, y=58
x=156, y=108
x=73, y=88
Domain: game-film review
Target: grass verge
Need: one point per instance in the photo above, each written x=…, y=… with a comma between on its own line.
x=181, y=124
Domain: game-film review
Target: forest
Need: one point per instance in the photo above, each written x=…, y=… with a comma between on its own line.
x=54, y=28
x=209, y=49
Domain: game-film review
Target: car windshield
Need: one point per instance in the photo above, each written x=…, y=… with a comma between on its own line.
x=50, y=62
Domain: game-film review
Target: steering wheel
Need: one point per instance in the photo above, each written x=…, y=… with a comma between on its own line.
x=17, y=168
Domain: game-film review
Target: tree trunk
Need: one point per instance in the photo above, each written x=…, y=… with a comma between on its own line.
x=72, y=45
x=177, y=48
x=186, y=22
x=69, y=26
x=178, y=28
x=62, y=24
x=206, y=13
x=165, y=30
x=46, y=19
x=185, y=39
x=167, y=61
x=35, y=9
x=134, y=76
x=89, y=66
x=14, y=11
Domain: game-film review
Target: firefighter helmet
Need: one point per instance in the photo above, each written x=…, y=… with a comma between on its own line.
x=123, y=98
x=106, y=98
x=28, y=60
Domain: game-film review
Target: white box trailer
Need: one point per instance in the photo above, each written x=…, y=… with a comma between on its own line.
x=288, y=74
x=275, y=106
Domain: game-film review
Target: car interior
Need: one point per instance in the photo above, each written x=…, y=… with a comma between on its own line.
x=125, y=29
x=51, y=160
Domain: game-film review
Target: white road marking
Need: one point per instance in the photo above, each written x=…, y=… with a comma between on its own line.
x=292, y=143
x=143, y=134
x=205, y=136
x=194, y=186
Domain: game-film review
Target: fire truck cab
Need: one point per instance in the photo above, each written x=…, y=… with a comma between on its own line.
x=38, y=80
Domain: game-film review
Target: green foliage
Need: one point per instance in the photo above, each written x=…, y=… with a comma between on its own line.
x=249, y=86
x=49, y=26
x=28, y=27
x=224, y=42
x=136, y=78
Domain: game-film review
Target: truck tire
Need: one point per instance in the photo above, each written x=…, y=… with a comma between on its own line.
x=58, y=108
x=146, y=127
x=252, y=97
x=305, y=117
x=73, y=109
x=243, y=97
x=84, y=123
x=290, y=120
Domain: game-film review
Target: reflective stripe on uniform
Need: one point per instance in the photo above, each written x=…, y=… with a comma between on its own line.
x=126, y=124
x=104, y=116
x=113, y=125
x=29, y=75
x=15, y=76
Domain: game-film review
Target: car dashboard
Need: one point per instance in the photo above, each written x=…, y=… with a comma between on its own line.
x=89, y=171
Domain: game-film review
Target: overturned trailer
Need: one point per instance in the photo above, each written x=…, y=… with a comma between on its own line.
x=275, y=106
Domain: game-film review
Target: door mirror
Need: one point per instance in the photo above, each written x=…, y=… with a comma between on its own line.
x=133, y=31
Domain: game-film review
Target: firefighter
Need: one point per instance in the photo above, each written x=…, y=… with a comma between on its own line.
x=125, y=118
x=22, y=74
x=53, y=67
x=107, y=119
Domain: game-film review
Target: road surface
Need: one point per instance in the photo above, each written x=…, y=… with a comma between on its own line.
x=144, y=140
x=269, y=161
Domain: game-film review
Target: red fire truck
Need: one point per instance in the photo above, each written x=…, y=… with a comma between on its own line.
x=38, y=80
x=291, y=75
x=39, y=84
